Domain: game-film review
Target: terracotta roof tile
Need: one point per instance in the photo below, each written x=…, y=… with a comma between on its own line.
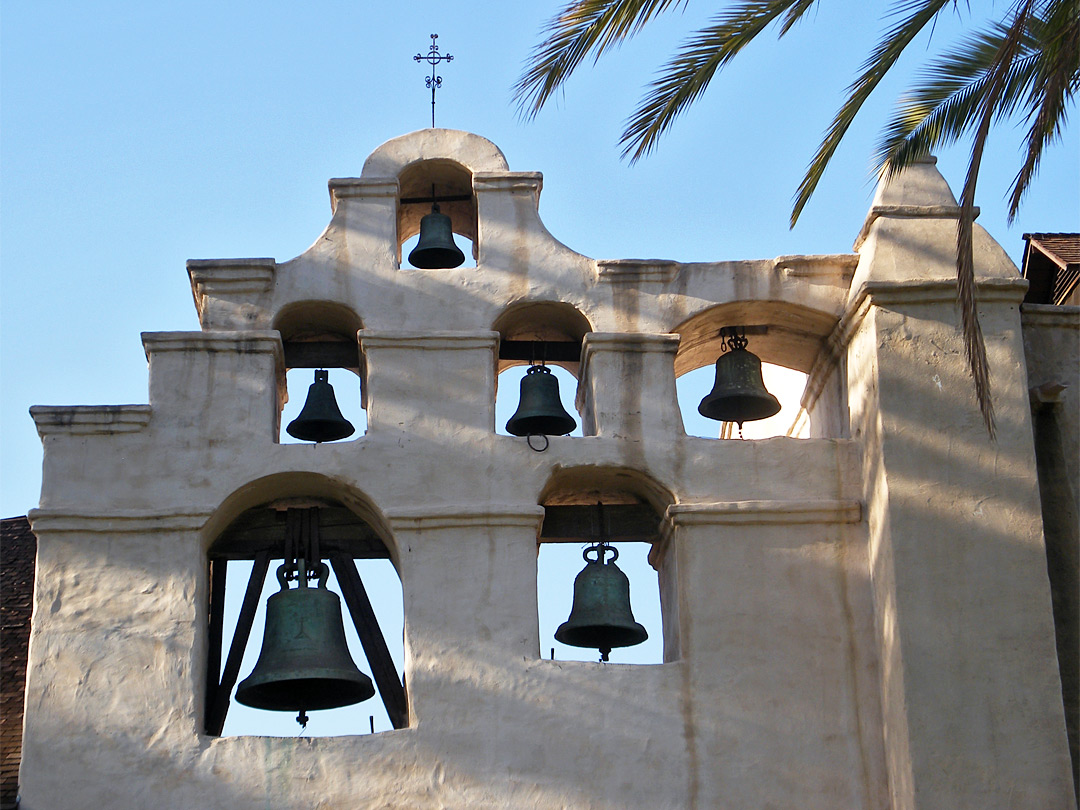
x=18, y=549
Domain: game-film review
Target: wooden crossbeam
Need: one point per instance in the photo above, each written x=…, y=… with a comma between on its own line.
x=625, y=522
x=340, y=532
x=385, y=673
x=549, y=351
x=219, y=706
x=322, y=354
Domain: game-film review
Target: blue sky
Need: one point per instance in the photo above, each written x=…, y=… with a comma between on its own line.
x=134, y=136
x=138, y=135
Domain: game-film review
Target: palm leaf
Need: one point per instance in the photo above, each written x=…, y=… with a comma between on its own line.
x=916, y=14
x=945, y=104
x=581, y=28
x=688, y=73
x=1057, y=38
x=974, y=346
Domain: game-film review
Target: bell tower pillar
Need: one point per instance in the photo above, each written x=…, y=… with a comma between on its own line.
x=957, y=561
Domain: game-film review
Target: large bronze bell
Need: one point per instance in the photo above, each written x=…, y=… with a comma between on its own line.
x=739, y=393
x=436, y=247
x=601, y=618
x=304, y=663
x=320, y=419
x=540, y=410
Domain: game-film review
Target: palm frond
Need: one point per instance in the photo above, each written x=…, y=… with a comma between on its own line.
x=581, y=28
x=1057, y=37
x=688, y=73
x=974, y=345
x=794, y=14
x=946, y=102
x=915, y=15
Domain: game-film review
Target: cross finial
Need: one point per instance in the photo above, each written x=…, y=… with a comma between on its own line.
x=433, y=82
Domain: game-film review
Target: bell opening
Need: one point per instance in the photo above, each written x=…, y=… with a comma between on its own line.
x=336, y=705
x=320, y=426
x=785, y=384
x=543, y=416
x=443, y=261
x=558, y=567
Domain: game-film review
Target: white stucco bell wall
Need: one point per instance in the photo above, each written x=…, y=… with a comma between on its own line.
x=855, y=620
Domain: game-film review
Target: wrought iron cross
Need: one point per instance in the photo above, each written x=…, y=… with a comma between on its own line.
x=434, y=82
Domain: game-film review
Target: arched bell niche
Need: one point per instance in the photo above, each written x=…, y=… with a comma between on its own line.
x=350, y=538
x=538, y=332
x=625, y=507
x=788, y=340
x=441, y=182
x=321, y=336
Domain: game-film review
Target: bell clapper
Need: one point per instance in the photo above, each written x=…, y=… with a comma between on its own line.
x=547, y=442
x=302, y=719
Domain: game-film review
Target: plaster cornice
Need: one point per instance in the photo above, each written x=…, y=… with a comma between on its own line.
x=636, y=271
x=139, y=521
x=908, y=212
x=527, y=516
x=85, y=420
x=1050, y=315
x=240, y=342
x=390, y=339
x=763, y=513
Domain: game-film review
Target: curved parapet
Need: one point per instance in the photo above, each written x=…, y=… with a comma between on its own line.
x=475, y=153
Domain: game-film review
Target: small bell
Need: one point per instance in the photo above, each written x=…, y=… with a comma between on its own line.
x=739, y=394
x=540, y=410
x=304, y=663
x=601, y=618
x=320, y=419
x=436, y=247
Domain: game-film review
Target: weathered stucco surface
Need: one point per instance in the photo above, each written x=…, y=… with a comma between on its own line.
x=857, y=620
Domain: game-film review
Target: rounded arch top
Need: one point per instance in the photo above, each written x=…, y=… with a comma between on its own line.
x=556, y=324
x=585, y=485
x=780, y=332
x=282, y=490
x=307, y=320
x=472, y=152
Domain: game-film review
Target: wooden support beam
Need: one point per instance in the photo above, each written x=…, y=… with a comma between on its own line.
x=215, y=622
x=371, y=637
x=322, y=354
x=578, y=524
x=220, y=705
x=549, y=351
x=340, y=532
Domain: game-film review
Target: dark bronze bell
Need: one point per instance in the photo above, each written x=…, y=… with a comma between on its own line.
x=320, y=419
x=540, y=410
x=601, y=618
x=739, y=393
x=304, y=663
x=436, y=247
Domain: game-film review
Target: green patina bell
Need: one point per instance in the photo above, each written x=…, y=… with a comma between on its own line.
x=436, y=247
x=540, y=410
x=320, y=419
x=739, y=394
x=304, y=664
x=601, y=618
